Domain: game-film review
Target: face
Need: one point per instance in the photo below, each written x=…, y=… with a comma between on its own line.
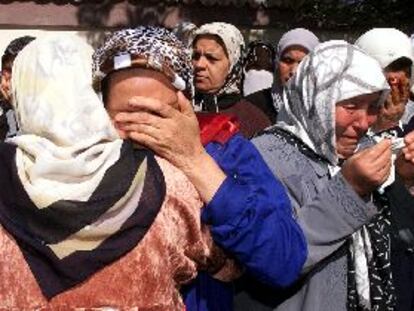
x=125, y=84
x=353, y=117
x=5, y=82
x=289, y=61
x=211, y=64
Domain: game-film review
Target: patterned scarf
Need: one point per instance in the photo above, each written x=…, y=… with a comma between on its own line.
x=80, y=197
x=145, y=47
x=234, y=45
x=336, y=71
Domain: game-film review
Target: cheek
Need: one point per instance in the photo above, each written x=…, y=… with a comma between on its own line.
x=284, y=70
x=372, y=119
x=342, y=121
x=218, y=73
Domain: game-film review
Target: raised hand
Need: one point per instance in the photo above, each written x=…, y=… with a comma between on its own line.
x=368, y=169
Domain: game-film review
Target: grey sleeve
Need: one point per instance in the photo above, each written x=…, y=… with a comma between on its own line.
x=328, y=210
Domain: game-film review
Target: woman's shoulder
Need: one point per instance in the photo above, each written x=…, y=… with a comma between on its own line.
x=286, y=156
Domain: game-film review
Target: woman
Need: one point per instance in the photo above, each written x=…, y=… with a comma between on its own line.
x=87, y=221
x=331, y=101
x=217, y=61
x=245, y=205
x=291, y=49
x=395, y=56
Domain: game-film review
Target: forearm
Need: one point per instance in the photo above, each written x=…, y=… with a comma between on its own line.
x=255, y=224
x=204, y=173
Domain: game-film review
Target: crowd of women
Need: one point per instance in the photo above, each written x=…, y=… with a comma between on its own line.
x=185, y=171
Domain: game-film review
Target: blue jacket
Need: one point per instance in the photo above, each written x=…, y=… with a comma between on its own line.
x=250, y=216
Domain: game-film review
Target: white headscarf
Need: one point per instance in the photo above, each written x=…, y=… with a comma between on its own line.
x=67, y=141
x=386, y=45
x=298, y=36
x=333, y=72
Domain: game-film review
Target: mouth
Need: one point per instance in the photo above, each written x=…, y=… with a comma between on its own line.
x=200, y=78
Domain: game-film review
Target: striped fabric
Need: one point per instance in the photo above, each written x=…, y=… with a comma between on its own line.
x=82, y=196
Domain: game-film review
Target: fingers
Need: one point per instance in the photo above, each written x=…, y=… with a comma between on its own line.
x=141, y=117
x=378, y=149
x=408, y=150
x=151, y=105
x=144, y=140
x=384, y=172
x=184, y=105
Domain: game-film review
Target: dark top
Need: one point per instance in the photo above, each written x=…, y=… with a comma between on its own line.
x=255, y=112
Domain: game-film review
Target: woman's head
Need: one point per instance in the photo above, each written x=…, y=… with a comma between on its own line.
x=292, y=48
x=146, y=62
x=393, y=50
x=144, y=47
x=333, y=98
x=53, y=95
x=259, y=56
x=217, y=51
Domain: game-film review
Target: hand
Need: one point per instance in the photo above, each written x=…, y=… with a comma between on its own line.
x=394, y=107
x=404, y=163
x=367, y=170
x=408, y=150
x=172, y=134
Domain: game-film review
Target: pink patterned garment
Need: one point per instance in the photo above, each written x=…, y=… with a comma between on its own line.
x=147, y=278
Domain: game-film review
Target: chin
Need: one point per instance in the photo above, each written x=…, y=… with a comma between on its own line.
x=202, y=88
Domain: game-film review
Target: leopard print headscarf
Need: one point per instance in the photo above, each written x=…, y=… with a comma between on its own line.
x=146, y=47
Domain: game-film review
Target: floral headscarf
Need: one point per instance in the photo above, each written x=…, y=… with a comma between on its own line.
x=147, y=47
x=234, y=44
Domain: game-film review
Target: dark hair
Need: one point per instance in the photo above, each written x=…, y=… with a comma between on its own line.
x=256, y=58
x=400, y=64
x=14, y=48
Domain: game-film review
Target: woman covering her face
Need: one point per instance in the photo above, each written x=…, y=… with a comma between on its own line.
x=331, y=101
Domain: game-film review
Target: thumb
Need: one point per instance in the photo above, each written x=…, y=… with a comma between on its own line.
x=184, y=104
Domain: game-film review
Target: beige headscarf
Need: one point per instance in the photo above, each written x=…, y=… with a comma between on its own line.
x=234, y=44
x=67, y=141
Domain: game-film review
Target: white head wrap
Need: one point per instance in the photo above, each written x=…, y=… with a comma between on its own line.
x=298, y=36
x=386, y=45
x=67, y=141
x=234, y=43
x=333, y=72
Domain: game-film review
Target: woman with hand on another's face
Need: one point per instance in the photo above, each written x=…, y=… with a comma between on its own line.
x=245, y=206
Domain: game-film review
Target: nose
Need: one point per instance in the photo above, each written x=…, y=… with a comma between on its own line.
x=364, y=120
x=200, y=63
